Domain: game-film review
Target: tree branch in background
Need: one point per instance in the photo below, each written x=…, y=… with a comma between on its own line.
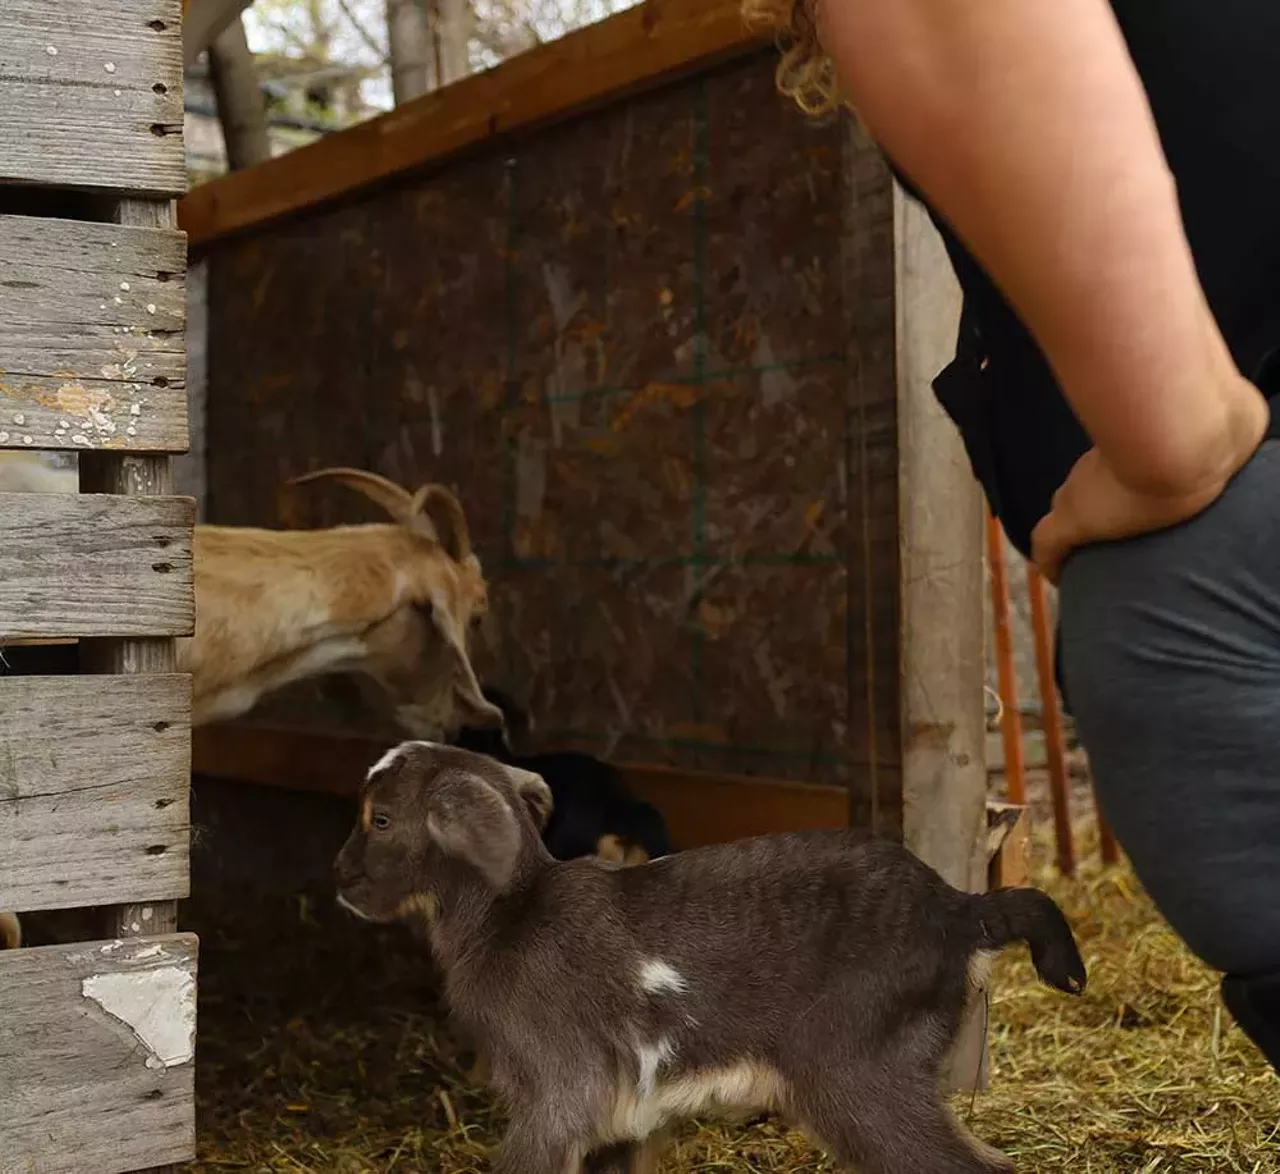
x=363, y=33
x=241, y=110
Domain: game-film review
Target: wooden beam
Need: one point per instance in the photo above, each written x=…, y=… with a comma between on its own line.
x=940, y=547
x=203, y=20
x=634, y=50
x=699, y=808
x=150, y=652
x=944, y=772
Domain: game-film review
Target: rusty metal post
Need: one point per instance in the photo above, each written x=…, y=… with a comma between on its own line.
x=1055, y=749
x=1011, y=719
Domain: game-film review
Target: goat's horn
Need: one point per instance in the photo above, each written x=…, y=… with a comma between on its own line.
x=397, y=501
x=447, y=518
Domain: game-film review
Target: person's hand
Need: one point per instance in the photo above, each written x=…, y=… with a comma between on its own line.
x=1093, y=505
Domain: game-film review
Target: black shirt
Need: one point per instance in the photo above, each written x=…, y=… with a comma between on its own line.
x=1211, y=69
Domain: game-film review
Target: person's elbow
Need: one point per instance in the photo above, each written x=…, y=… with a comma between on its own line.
x=1198, y=456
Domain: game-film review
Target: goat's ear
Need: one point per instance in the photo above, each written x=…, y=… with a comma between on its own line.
x=473, y=708
x=474, y=823
x=436, y=513
x=533, y=790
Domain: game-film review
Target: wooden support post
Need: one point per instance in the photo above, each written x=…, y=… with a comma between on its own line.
x=104, y=472
x=1054, y=747
x=944, y=737
x=1011, y=720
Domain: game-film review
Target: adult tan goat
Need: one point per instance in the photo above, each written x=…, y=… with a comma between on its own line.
x=394, y=602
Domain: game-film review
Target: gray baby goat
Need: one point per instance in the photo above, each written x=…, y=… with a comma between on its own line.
x=820, y=975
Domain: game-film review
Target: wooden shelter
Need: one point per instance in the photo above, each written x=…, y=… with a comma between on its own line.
x=96, y=1038
x=672, y=344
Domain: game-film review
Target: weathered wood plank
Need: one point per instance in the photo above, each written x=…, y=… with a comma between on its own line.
x=95, y=565
x=91, y=336
x=942, y=585
x=96, y=1055
x=943, y=666
x=92, y=94
x=94, y=785
x=130, y=475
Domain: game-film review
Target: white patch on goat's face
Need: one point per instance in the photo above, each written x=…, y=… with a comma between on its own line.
x=392, y=756
x=388, y=760
x=660, y=978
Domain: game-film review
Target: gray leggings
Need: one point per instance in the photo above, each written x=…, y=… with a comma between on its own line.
x=1170, y=649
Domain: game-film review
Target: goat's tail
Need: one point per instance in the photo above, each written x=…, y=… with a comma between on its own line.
x=1028, y=915
x=10, y=931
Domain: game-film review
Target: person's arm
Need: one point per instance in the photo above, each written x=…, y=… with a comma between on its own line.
x=1026, y=125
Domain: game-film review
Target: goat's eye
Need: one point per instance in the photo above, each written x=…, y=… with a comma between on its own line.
x=381, y=821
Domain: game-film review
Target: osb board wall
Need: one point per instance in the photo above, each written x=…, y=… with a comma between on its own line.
x=652, y=351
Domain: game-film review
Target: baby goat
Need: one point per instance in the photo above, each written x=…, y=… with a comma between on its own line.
x=592, y=813
x=819, y=975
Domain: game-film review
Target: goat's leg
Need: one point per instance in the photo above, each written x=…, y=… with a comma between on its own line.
x=530, y=1148
x=629, y=1157
x=880, y=1126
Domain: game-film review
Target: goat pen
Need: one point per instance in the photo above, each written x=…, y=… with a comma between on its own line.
x=98, y=1037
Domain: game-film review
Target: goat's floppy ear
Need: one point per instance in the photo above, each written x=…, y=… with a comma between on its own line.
x=474, y=709
x=474, y=823
x=533, y=790
x=436, y=513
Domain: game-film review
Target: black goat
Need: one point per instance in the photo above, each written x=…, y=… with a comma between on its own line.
x=592, y=814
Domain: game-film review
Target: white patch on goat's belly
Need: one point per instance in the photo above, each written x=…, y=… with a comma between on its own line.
x=980, y=968
x=742, y=1088
x=652, y=1057
x=661, y=978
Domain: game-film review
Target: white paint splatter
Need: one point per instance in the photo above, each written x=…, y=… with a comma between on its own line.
x=110, y=67
x=158, y=1006
x=135, y=409
x=151, y=307
x=19, y=418
x=52, y=50
x=28, y=440
x=124, y=285
x=81, y=438
x=3, y=437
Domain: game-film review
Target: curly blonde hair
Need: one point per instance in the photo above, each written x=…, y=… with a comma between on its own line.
x=805, y=74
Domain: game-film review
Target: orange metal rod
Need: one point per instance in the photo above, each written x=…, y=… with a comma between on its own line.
x=1055, y=750
x=1011, y=721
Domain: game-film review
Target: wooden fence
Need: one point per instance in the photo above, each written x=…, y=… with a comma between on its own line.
x=96, y=1038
